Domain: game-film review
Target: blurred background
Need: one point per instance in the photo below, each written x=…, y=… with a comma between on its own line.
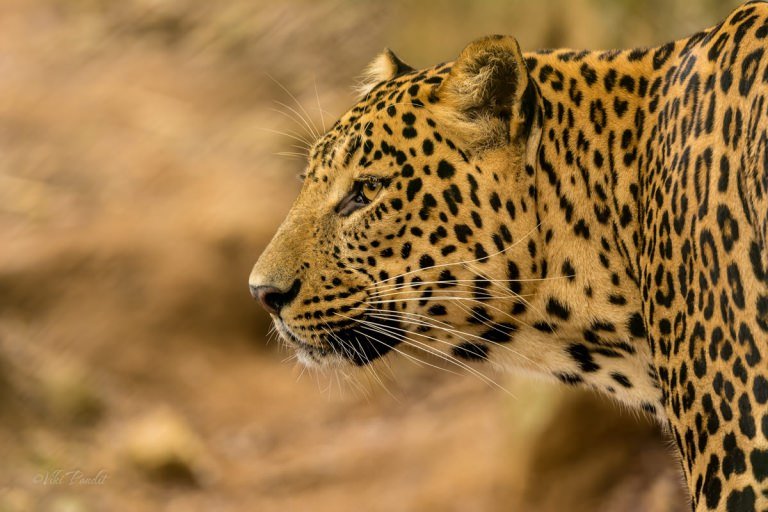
x=146, y=158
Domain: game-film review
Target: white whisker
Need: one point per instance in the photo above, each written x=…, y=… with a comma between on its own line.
x=443, y=265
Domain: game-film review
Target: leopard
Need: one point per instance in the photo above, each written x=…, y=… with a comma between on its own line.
x=594, y=218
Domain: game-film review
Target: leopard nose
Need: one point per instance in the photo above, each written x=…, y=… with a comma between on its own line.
x=273, y=299
x=268, y=297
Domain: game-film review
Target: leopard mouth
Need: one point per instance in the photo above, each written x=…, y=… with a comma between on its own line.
x=360, y=342
x=308, y=354
x=367, y=340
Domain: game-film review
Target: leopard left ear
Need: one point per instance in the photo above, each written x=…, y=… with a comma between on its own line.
x=384, y=67
x=489, y=93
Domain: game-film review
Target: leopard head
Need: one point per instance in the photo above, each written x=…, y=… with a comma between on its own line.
x=415, y=228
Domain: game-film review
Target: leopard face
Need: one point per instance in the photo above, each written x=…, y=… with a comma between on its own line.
x=414, y=229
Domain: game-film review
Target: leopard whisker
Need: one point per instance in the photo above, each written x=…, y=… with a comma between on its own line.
x=464, y=289
x=456, y=300
x=299, y=122
x=319, y=108
x=524, y=301
x=289, y=135
x=304, y=124
x=443, y=265
x=291, y=154
x=435, y=298
x=452, y=360
x=462, y=335
x=389, y=287
x=347, y=378
x=298, y=103
x=375, y=327
x=439, y=322
x=430, y=350
x=345, y=349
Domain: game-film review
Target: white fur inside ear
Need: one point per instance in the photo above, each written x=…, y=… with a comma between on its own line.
x=381, y=69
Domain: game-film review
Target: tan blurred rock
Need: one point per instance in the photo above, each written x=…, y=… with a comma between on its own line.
x=163, y=446
x=15, y=500
x=70, y=395
x=67, y=504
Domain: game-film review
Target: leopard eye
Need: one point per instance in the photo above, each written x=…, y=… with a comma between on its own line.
x=371, y=188
x=364, y=191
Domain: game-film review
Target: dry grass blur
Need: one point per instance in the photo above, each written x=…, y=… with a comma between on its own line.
x=139, y=181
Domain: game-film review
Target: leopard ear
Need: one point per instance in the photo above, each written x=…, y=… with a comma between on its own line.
x=489, y=92
x=384, y=67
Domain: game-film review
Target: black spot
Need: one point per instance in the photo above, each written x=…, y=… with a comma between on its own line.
x=414, y=186
x=621, y=379
x=637, y=54
x=626, y=216
x=581, y=354
x=452, y=196
x=620, y=106
x=759, y=460
x=544, y=327
x=405, y=250
x=568, y=270
x=729, y=228
x=749, y=67
x=570, y=379
x=597, y=116
x=618, y=300
x=558, y=309
x=445, y=170
x=446, y=278
x=589, y=74
x=513, y=277
x=428, y=202
x=746, y=420
x=717, y=47
x=462, y=232
x=737, y=289
x=480, y=252
x=661, y=55
x=628, y=83
x=495, y=201
x=437, y=310
x=426, y=261
x=581, y=229
x=760, y=389
x=471, y=351
x=741, y=501
x=499, y=332
x=712, y=484
x=479, y=316
x=762, y=312
x=734, y=460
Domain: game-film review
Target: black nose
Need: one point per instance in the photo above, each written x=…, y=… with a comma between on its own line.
x=273, y=299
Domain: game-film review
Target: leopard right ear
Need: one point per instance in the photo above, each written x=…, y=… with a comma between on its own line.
x=384, y=67
x=488, y=92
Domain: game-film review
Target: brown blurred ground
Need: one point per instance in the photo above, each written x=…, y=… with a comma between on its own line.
x=139, y=181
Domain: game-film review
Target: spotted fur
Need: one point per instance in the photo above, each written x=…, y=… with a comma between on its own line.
x=598, y=218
